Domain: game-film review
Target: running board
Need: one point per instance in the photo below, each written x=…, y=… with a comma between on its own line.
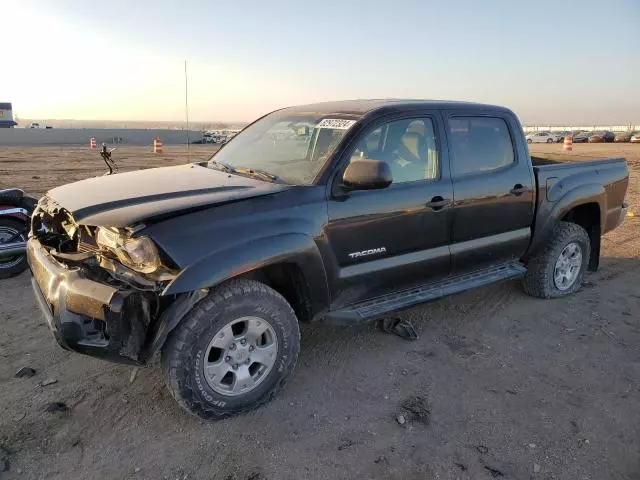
x=372, y=309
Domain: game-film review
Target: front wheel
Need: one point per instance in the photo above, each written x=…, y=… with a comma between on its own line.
x=549, y=140
x=529, y=141
x=559, y=269
x=233, y=351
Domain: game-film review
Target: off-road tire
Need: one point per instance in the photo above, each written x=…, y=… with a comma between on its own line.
x=538, y=281
x=182, y=354
x=7, y=272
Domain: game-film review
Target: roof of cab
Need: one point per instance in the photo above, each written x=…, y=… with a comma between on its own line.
x=362, y=107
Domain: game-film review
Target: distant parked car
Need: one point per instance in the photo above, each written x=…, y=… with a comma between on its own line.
x=601, y=136
x=560, y=135
x=542, y=137
x=635, y=138
x=38, y=125
x=624, y=136
x=582, y=137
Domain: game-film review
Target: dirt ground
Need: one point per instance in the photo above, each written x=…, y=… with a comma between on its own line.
x=502, y=385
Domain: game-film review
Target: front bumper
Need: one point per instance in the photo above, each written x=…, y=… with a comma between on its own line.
x=89, y=316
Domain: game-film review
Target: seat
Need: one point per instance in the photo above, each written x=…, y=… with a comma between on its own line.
x=11, y=196
x=409, y=161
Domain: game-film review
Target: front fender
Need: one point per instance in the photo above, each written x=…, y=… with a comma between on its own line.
x=241, y=258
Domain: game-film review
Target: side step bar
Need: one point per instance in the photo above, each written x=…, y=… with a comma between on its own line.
x=371, y=309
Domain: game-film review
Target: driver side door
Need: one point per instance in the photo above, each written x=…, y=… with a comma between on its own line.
x=397, y=237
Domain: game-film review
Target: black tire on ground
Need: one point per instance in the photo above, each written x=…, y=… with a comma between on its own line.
x=182, y=354
x=539, y=279
x=14, y=265
x=549, y=140
x=529, y=140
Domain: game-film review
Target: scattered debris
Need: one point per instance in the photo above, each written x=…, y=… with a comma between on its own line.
x=48, y=381
x=401, y=420
x=536, y=468
x=532, y=445
x=574, y=427
x=346, y=444
x=482, y=449
x=381, y=459
x=56, y=407
x=582, y=442
x=419, y=408
x=494, y=472
x=461, y=466
x=398, y=326
x=20, y=416
x=35, y=177
x=511, y=392
x=27, y=372
x=136, y=470
x=4, y=465
x=134, y=374
x=611, y=335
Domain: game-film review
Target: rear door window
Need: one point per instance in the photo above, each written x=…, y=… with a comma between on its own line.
x=479, y=144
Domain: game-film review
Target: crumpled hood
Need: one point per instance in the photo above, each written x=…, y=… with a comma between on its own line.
x=128, y=198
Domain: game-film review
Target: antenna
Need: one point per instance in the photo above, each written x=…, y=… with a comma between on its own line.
x=186, y=104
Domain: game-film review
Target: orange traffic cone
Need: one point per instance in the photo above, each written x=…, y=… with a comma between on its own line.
x=157, y=145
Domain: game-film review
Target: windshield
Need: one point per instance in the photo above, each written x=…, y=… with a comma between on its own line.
x=286, y=146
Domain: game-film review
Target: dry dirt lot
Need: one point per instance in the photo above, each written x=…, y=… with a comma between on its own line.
x=513, y=387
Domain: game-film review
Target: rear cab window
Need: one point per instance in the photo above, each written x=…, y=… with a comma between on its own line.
x=479, y=145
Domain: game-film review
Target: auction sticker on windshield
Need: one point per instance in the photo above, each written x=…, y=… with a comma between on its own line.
x=336, y=123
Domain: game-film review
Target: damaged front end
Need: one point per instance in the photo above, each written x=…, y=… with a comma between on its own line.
x=93, y=302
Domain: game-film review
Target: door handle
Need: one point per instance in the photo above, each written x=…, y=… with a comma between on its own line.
x=518, y=190
x=438, y=202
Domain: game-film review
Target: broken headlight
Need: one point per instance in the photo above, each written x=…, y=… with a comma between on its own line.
x=139, y=253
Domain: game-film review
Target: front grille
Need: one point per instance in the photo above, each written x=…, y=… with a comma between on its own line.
x=84, y=247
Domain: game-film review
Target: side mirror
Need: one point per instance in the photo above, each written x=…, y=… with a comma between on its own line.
x=364, y=174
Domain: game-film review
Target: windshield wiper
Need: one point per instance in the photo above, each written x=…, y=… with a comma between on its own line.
x=257, y=173
x=222, y=166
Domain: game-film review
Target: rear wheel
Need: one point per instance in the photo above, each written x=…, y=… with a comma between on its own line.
x=549, y=140
x=559, y=269
x=12, y=231
x=233, y=351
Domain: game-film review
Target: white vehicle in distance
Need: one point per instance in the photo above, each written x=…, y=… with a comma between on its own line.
x=542, y=137
x=38, y=125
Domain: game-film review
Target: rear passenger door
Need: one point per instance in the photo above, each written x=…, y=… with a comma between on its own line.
x=493, y=190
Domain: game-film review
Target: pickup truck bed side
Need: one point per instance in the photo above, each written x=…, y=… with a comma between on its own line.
x=592, y=191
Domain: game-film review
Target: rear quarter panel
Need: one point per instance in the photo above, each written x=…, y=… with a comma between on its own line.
x=565, y=185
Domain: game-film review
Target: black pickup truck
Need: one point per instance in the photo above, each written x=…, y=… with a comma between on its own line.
x=338, y=212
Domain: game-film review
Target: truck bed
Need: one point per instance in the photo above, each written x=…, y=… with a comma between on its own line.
x=541, y=159
x=560, y=176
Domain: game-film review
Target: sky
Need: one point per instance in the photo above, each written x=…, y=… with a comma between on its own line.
x=550, y=61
